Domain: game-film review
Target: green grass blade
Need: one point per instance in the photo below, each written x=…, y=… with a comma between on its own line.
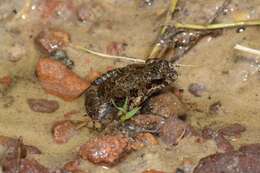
x=218, y=25
x=130, y=114
x=125, y=106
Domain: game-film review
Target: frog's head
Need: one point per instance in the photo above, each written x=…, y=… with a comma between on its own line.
x=162, y=70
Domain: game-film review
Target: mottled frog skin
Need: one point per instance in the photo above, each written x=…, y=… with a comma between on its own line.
x=137, y=82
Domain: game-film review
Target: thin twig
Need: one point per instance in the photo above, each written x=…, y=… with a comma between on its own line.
x=106, y=55
x=218, y=26
x=247, y=49
x=120, y=57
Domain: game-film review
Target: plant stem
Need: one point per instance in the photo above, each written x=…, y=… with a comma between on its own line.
x=106, y=55
x=218, y=26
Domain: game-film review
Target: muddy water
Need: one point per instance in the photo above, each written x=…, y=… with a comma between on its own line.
x=230, y=76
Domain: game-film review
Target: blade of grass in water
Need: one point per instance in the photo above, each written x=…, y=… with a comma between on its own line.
x=129, y=114
x=218, y=26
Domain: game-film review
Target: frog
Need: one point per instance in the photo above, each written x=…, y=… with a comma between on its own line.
x=136, y=82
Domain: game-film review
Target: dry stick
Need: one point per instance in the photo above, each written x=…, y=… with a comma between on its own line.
x=218, y=26
x=119, y=57
x=157, y=47
x=247, y=49
x=106, y=55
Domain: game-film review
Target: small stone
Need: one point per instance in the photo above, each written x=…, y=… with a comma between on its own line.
x=215, y=108
x=232, y=130
x=173, y=131
x=62, y=131
x=43, y=105
x=60, y=81
x=166, y=104
x=25, y=166
x=72, y=166
x=244, y=160
x=50, y=40
x=16, y=52
x=197, y=89
x=105, y=150
x=144, y=139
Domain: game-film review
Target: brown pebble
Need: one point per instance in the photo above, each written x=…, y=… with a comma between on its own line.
x=166, y=105
x=72, y=166
x=147, y=122
x=25, y=166
x=173, y=131
x=244, y=160
x=105, y=150
x=215, y=108
x=50, y=40
x=232, y=130
x=12, y=143
x=58, y=80
x=43, y=105
x=223, y=144
x=143, y=139
x=197, y=89
x=62, y=131
x=147, y=138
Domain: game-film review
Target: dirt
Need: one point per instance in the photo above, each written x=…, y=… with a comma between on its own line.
x=123, y=27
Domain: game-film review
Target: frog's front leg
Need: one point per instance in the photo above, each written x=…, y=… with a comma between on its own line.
x=97, y=107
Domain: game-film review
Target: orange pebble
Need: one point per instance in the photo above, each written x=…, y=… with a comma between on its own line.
x=58, y=80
